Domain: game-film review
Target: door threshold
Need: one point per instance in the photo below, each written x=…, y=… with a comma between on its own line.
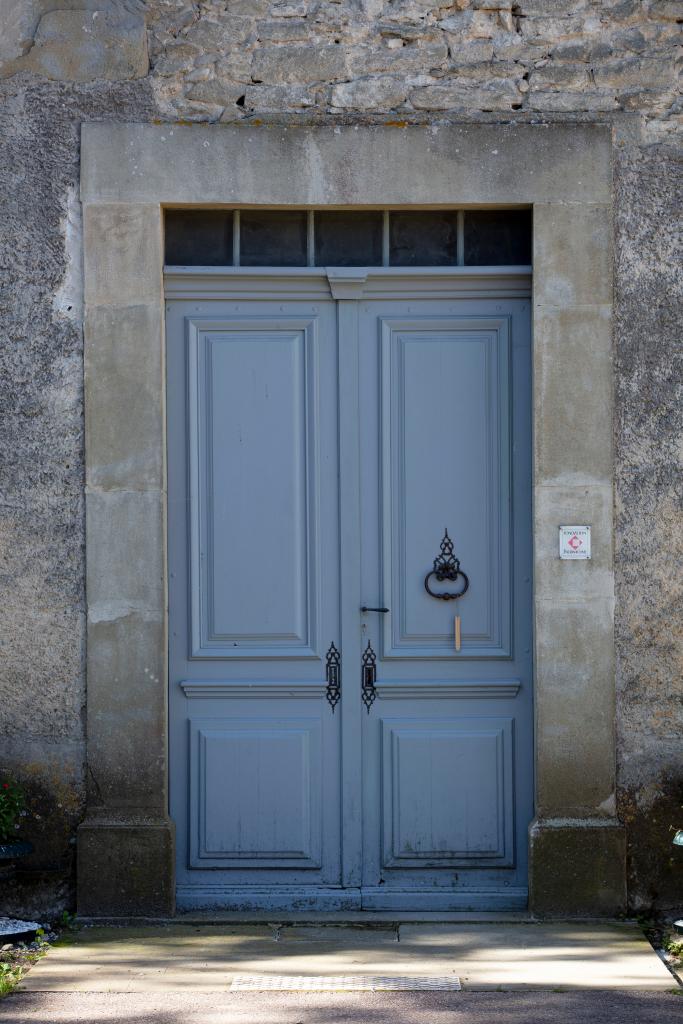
x=368, y=918
x=356, y=918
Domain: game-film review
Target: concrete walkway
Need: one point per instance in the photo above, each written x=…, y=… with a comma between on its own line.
x=511, y=972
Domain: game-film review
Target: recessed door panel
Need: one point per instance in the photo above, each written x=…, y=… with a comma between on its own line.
x=447, y=792
x=255, y=794
x=254, y=477
x=446, y=456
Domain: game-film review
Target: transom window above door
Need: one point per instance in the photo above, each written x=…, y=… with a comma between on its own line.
x=348, y=238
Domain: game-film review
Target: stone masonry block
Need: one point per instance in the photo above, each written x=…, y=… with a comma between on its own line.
x=576, y=870
x=477, y=164
x=125, y=246
x=124, y=408
x=277, y=65
x=463, y=94
x=370, y=94
x=126, y=869
x=573, y=368
x=125, y=531
x=127, y=709
x=572, y=254
x=575, y=707
x=83, y=46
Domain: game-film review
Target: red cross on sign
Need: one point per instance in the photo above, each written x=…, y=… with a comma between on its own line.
x=575, y=542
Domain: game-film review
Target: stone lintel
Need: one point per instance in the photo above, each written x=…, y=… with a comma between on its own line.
x=344, y=166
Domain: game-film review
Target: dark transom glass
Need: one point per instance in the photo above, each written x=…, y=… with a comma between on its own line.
x=425, y=238
x=199, y=238
x=273, y=238
x=497, y=238
x=348, y=239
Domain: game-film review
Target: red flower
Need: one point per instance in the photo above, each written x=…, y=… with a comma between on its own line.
x=5, y=785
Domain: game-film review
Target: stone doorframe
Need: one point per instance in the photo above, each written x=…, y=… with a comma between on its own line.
x=128, y=173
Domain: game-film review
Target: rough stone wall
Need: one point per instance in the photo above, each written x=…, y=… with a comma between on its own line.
x=312, y=61
x=42, y=681
x=649, y=518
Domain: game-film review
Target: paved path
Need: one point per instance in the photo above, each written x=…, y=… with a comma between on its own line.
x=510, y=973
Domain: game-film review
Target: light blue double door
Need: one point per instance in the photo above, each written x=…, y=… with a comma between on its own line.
x=322, y=756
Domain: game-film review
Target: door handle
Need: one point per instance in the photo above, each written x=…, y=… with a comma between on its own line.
x=382, y=611
x=368, y=677
x=333, y=676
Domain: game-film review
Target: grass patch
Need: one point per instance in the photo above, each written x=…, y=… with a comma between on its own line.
x=15, y=962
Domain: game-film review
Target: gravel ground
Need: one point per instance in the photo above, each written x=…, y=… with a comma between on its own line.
x=342, y=1008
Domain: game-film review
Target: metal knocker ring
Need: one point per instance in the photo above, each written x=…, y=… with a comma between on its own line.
x=447, y=567
x=452, y=577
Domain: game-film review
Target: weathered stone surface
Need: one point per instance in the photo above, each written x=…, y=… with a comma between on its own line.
x=649, y=584
x=126, y=870
x=578, y=777
x=125, y=432
x=18, y=21
x=268, y=98
x=131, y=167
x=81, y=46
x=281, y=64
x=406, y=56
x=370, y=94
x=459, y=95
x=134, y=243
x=216, y=90
x=217, y=36
x=576, y=871
x=283, y=30
x=42, y=609
x=566, y=102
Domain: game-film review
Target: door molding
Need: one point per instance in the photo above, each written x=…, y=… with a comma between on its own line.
x=310, y=283
x=129, y=172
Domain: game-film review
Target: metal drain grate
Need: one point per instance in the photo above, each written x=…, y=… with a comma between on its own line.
x=341, y=983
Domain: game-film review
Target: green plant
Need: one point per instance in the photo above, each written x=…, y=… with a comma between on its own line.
x=14, y=963
x=674, y=947
x=12, y=807
x=68, y=922
x=10, y=976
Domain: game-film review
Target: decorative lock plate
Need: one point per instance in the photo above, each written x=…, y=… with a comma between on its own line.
x=333, y=676
x=447, y=567
x=368, y=677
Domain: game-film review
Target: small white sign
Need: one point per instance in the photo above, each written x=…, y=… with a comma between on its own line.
x=575, y=542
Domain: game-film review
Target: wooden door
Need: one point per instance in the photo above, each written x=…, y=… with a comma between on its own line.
x=318, y=451
x=445, y=469
x=254, y=603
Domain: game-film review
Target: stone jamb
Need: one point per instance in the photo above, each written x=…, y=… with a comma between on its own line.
x=129, y=172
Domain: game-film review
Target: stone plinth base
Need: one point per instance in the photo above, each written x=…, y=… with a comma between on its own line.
x=577, y=868
x=126, y=869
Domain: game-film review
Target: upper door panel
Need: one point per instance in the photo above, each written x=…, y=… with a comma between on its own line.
x=445, y=450
x=254, y=487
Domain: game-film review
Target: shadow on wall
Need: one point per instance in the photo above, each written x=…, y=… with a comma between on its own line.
x=53, y=806
x=654, y=866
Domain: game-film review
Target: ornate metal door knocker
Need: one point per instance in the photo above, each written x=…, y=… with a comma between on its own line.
x=447, y=567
